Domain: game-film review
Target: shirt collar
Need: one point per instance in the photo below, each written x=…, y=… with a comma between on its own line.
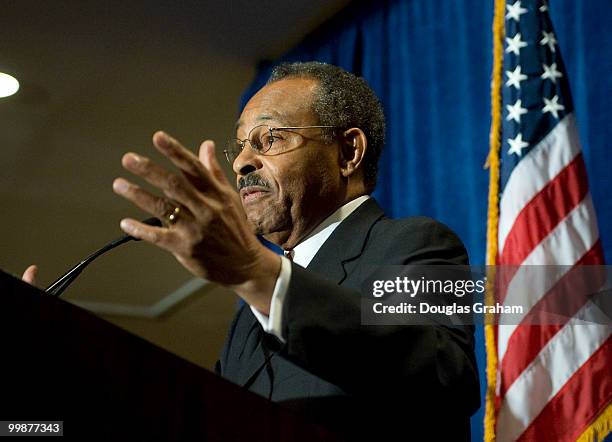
x=308, y=248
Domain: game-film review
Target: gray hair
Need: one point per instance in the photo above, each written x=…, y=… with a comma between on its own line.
x=343, y=100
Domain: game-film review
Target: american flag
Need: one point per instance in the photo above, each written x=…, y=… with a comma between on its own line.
x=549, y=382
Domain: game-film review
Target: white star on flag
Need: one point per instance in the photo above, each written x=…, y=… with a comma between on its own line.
x=517, y=145
x=553, y=106
x=551, y=72
x=543, y=8
x=515, y=44
x=515, y=77
x=515, y=111
x=549, y=39
x=515, y=11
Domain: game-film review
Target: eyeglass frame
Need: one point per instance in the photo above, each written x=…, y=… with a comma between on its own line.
x=242, y=143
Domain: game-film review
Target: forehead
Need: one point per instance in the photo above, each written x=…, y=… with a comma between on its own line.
x=286, y=102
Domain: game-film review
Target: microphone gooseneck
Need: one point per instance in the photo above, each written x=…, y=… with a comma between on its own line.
x=60, y=284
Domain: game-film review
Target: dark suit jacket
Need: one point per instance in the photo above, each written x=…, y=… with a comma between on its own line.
x=380, y=382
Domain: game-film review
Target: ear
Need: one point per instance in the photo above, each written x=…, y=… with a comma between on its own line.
x=353, y=148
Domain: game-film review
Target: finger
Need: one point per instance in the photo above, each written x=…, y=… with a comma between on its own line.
x=181, y=157
x=174, y=186
x=209, y=160
x=30, y=274
x=159, y=236
x=148, y=202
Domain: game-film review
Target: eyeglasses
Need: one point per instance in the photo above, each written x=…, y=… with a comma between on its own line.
x=264, y=139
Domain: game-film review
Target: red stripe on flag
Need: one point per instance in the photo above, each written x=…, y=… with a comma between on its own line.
x=545, y=210
x=566, y=297
x=575, y=406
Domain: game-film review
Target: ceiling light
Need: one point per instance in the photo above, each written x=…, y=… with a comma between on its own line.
x=8, y=85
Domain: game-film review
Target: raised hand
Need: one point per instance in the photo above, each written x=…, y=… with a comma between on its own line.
x=207, y=230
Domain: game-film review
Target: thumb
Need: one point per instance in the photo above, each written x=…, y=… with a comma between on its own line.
x=30, y=274
x=208, y=158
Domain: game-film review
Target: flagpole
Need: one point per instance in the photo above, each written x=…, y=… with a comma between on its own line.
x=493, y=211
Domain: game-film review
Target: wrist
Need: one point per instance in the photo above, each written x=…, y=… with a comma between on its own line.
x=257, y=290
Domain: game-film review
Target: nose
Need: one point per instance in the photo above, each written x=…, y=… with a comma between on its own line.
x=247, y=162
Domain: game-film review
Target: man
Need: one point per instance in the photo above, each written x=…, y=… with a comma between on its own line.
x=306, y=158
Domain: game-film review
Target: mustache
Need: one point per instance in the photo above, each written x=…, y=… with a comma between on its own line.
x=252, y=179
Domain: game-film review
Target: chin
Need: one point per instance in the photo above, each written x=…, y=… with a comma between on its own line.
x=267, y=221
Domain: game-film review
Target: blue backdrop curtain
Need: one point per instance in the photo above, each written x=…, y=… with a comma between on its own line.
x=429, y=61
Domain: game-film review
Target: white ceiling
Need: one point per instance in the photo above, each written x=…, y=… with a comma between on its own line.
x=98, y=78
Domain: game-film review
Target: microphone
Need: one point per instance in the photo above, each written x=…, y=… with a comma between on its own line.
x=58, y=287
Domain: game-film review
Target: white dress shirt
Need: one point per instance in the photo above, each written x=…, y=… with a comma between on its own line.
x=302, y=255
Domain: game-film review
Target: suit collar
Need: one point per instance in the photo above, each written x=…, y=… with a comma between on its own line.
x=306, y=250
x=346, y=242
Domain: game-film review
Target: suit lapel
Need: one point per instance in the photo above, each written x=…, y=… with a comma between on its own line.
x=346, y=242
x=249, y=356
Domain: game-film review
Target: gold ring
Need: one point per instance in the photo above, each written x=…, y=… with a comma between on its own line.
x=173, y=216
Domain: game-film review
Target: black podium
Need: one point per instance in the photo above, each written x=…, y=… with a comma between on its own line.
x=60, y=362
